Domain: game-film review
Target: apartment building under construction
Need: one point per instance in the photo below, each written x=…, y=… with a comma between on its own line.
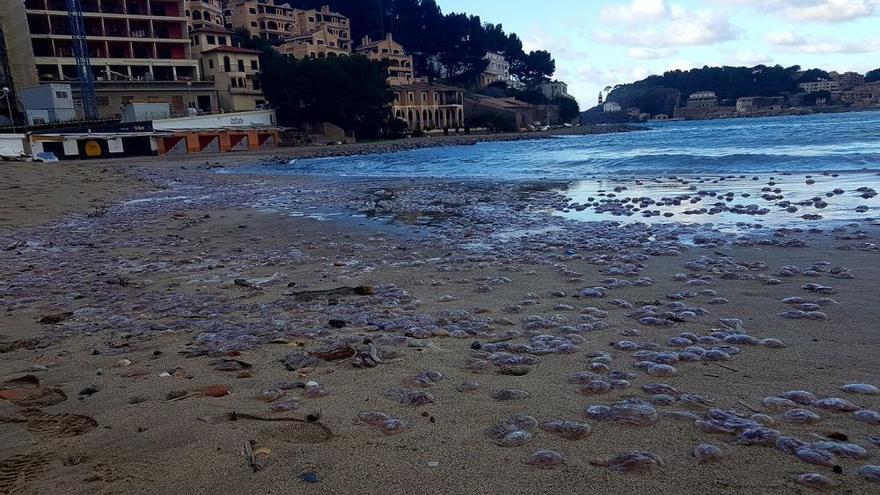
x=139, y=50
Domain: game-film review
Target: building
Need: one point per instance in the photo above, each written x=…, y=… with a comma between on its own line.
x=554, y=89
x=425, y=106
x=515, y=114
x=832, y=87
x=233, y=70
x=847, y=80
x=262, y=18
x=498, y=69
x=867, y=94
x=193, y=134
x=759, y=103
x=48, y=104
x=400, y=65
x=611, y=106
x=320, y=43
x=139, y=49
x=702, y=99
x=307, y=21
x=235, y=73
x=5, y=81
x=208, y=38
x=202, y=13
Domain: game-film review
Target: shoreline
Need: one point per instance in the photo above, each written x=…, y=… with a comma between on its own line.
x=374, y=147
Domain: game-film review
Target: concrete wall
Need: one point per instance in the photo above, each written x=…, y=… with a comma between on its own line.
x=12, y=144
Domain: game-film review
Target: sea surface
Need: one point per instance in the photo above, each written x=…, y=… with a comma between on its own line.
x=791, y=171
x=830, y=142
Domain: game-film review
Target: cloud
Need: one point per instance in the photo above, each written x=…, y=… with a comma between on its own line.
x=795, y=43
x=641, y=53
x=682, y=28
x=831, y=11
x=751, y=58
x=637, y=11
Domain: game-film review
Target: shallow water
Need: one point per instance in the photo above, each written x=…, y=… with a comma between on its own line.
x=832, y=142
x=733, y=174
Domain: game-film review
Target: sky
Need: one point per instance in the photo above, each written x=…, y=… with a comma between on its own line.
x=597, y=43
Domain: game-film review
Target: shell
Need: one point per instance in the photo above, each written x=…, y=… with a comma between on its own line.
x=510, y=394
x=409, y=397
x=860, y=388
x=706, y=453
x=815, y=481
x=778, y=404
x=637, y=461
x=547, y=459
x=802, y=397
x=867, y=416
x=569, y=430
x=801, y=416
x=836, y=404
x=842, y=449
x=815, y=456
x=870, y=473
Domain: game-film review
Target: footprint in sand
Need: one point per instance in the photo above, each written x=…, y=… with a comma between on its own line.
x=19, y=470
x=52, y=425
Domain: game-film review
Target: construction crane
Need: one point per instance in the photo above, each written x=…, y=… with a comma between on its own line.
x=83, y=60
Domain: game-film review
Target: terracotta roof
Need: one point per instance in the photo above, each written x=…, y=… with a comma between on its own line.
x=506, y=103
x=232, y=49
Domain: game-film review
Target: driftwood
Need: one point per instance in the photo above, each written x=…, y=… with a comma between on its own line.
x=308, y=295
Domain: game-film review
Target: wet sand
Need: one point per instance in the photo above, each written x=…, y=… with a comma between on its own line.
x=187, y=262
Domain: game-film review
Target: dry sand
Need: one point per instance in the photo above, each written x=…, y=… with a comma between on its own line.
x=141, y=444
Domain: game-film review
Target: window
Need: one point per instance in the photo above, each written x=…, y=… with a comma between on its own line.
x=210, y=64
x=104, y=101
x=424, y=97
x=255, y=65
x=252, y=11
x=62, y=95
x=212, y=40
x=222, y=40
x=254, y=24
x=241, y=65
x=411, y=97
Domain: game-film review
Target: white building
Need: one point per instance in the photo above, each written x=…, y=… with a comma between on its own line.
x=497, y=70
x=832, y=87
x=49, y=103
x=703, y=99
x=555, y=89
x=611, y=106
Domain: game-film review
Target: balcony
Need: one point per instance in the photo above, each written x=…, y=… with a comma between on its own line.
x=158, y=8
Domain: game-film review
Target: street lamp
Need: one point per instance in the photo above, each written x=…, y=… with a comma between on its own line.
x=5, y=91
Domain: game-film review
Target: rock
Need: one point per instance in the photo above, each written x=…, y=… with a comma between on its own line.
x=122, y=363
x=216, y=391
x=56, y=318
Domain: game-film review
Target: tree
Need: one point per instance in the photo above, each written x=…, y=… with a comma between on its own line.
x=351, y=92
x=534, y=68
x=872, y=76
x=813, y=75
x=568, y=108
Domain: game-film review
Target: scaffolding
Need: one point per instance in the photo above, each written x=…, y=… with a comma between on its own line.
x=83, y=60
